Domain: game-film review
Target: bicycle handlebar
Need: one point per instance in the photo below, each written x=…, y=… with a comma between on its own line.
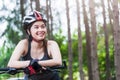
x=13, y=71
x=60, y=67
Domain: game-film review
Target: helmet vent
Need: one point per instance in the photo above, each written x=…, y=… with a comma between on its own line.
x=37, y=16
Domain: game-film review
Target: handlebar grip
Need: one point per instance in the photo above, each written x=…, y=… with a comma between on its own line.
x=63, y=66
x=4, y=69
x=9, y=70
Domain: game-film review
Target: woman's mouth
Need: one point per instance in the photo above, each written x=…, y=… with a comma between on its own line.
x=40, y=33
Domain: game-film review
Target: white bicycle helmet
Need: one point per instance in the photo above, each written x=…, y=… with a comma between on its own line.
x=32, y=17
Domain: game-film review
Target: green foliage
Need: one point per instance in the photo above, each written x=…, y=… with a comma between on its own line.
x=102, y=53
x=13, y=34
x=5, y=53
x=61, y=40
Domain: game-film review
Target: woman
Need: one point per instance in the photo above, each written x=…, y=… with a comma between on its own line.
x=36, y=52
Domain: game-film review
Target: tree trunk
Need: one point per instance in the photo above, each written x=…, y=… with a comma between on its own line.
x=116, y=26
x=108, y=76
x=22, y=8
x=51, y=20
x=94, y=57
x=70, y=55
x=88, y=40
x=79, y=43
x=37, y=5
x=31, y=5
x=110, y=15
x=22, y=14
x=47, y=14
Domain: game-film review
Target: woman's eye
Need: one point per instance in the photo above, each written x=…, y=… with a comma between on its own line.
x=39, y=26
x=43, y=26
x=36, y=27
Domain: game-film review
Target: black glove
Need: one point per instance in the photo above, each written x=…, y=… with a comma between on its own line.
x=33, y=67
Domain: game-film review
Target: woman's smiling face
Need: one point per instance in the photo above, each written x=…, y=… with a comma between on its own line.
x=38, y=30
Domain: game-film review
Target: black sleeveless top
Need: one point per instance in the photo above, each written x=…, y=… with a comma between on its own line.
x=28, y=55
x=47, y=75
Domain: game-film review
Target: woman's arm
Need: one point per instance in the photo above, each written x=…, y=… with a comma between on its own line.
x=54, y=52
x=17, y=53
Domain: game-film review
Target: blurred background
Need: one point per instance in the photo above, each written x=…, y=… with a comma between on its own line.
x=87, y=31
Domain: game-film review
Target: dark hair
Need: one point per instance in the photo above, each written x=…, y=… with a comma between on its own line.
x=27, y=27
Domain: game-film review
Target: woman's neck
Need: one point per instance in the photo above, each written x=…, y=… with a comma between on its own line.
x=37, y=44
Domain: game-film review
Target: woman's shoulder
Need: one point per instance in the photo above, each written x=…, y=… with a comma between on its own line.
x=23, y=46
x=51, y=42
x=23, y=42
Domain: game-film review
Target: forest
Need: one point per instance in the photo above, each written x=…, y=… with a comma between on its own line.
x=87, y=31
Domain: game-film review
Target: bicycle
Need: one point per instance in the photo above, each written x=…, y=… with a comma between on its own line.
x=13, y=71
